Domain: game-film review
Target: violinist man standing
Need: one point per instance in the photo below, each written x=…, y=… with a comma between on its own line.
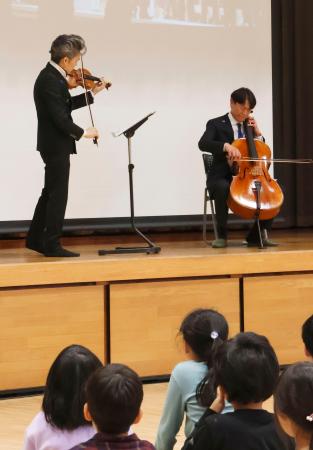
x=217, y=138
x=56, y=138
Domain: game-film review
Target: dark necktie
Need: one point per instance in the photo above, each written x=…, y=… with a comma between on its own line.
x=240, y=133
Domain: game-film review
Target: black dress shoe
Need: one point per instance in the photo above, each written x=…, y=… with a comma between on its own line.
x=36, y=246
x=61, y=252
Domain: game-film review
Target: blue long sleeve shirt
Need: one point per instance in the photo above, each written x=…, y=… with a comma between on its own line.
x=181, y=400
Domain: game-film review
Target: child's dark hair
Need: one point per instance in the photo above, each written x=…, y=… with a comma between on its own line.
x=307, y=335
x=293, y=396
x=201, y=329
x=242, y=95
x=114, y=394
x=247, y=368
x=64, y=395
x=204, y=330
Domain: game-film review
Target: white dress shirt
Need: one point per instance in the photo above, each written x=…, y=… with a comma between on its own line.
x=59, y=69
x=234, y=125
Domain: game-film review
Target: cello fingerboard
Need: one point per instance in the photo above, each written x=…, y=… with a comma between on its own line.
x=250, y=140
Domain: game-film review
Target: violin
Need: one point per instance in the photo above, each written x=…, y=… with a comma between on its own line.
x=87, y=81
x=253, y=192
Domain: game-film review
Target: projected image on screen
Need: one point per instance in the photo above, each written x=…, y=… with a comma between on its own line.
x=90, y=7
x=216, y=13
x=87, y=8
x=208, y=13
x=25, y=6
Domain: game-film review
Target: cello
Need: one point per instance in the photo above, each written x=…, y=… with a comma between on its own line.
x=254, y=194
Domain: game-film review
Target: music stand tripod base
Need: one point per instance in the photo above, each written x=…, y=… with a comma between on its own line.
x=148, y=249
x=121, y=250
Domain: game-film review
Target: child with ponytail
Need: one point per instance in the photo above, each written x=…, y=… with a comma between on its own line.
x=202, y=331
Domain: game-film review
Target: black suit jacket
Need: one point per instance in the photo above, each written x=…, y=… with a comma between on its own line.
x=56, y=130
x=218, y=131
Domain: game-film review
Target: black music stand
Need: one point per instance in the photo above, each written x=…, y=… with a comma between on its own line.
x=151, y=247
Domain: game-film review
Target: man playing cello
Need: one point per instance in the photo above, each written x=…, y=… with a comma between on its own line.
x=219, y=134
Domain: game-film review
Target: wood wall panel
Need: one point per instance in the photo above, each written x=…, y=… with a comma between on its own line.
x=277, y=306
x=145, y=319
x=36, y=324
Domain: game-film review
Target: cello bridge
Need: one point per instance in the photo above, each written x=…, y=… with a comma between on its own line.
x=256, y=171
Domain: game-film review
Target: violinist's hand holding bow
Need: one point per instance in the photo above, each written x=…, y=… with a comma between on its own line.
x=100, y=86
x=91, y=133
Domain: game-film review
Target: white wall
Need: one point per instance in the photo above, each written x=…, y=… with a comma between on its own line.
x=183, y=64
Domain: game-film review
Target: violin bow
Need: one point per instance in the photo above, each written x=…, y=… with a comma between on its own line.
x=95, y=140
x=277, y=160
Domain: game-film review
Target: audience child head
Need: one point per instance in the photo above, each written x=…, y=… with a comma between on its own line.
x=307, y=336
x=64, y=395
x=202, y=330
x=246, y=370
x=293, y=404
x=114, y=395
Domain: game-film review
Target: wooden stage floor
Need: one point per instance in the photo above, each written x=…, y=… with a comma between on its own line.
x=128, y=308
x=182, y=255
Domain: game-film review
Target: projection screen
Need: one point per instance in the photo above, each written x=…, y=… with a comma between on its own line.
x=180, y=58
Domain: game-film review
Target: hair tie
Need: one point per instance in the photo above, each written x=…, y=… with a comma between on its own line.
x=214, y=335
x=309, y=418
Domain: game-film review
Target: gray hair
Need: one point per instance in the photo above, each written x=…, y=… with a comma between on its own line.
x=67, y=45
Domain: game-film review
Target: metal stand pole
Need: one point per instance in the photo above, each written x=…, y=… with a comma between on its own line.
x=151, y=248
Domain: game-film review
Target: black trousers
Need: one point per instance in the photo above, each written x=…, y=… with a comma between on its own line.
x=219, y=189
x=46, y=226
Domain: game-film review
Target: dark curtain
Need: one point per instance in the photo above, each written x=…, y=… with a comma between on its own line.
x=292, y=44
